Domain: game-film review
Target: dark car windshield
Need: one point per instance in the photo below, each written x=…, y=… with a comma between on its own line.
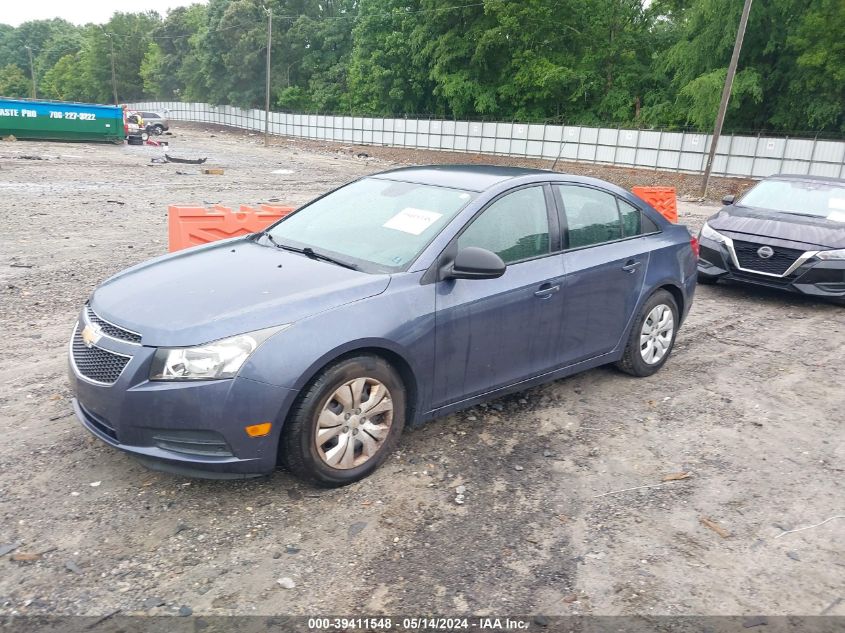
x=819, y=199
x=377, y=225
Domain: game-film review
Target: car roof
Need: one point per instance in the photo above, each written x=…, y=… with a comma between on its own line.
x=469, y=177
x=807, y=178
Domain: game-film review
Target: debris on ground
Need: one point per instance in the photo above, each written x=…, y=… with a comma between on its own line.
x=810, y=527
x=216, y=171
x=187, y=161
x=711, y=524
x=286, y=583
x=5, y=548
x=71, y=566
x=676, y=476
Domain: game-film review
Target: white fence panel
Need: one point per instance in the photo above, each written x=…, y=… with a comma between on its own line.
x=746, y=156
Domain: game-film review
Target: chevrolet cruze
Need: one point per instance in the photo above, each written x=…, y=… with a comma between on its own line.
x=395, y=299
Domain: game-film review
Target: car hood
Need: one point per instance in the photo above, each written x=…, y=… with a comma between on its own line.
x=226, y=288
x=809, y=231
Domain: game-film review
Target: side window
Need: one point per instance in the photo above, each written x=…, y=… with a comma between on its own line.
x=515, y=227
x=649, y=225
x=591, y=216
x=631, y=223
x=149, y=115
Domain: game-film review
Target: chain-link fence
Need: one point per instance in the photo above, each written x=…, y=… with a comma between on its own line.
x=736, y=155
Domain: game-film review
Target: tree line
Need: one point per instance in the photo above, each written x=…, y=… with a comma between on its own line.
x=591, y=62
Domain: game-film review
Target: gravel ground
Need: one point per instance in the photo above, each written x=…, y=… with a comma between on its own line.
x=751, y=405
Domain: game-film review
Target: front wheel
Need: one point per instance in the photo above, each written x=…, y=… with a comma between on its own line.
x=158, y=130
x=346, y=423
x=652, y=336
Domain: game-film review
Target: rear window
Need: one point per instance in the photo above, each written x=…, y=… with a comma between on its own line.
x=817, y=199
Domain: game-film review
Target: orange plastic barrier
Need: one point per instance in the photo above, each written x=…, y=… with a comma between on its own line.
x=661, y=198
x=191, y=226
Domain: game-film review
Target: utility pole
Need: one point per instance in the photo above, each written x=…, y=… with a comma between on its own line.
x=726, y=95
x=267, y=92
x=113, y=76
x=31, y=71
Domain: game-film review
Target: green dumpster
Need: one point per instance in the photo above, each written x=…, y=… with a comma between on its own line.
x=60, y=120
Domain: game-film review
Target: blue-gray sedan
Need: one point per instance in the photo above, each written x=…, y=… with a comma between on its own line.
x=395, y=299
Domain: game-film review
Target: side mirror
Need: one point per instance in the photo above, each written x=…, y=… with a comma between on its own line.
x=729, y=199
x=476, y=263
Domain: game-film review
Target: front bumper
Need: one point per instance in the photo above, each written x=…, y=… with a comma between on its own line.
x=192, y=428
x=811, y=276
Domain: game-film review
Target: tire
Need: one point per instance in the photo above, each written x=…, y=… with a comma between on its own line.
x=633, y=361
x=706, y=280
x=145, y=136
x=158, y=130
x=320, y=406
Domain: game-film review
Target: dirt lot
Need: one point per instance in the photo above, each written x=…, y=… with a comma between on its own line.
x=751, y=404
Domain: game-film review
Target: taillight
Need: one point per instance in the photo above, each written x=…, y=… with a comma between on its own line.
x=693, y=242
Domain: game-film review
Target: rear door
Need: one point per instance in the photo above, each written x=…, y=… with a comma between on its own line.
x=496, y=332
x=606, y=253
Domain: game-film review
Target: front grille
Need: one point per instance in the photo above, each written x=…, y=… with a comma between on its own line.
x=110, y=329
x=774, y=282
x=777, y=264
x=96, y=363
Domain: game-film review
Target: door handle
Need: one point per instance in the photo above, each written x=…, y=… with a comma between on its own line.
x=631, y=265
x=546, y=291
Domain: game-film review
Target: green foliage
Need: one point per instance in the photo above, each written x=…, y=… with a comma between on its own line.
x=13, y=83
x=592, y=62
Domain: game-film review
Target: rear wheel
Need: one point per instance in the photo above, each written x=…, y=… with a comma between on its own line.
x=346, y=423
x=158, y=130
x=652, y=336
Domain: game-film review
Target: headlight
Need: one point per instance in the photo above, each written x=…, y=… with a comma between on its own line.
x=837, y=254
x=709, y=233
x=212, y=361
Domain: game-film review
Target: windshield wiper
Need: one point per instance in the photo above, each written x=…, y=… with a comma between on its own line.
x=270, y=237
x=803, y=215
x=310, y=252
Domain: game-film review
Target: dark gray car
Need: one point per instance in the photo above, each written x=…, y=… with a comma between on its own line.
x=395, y=299
x=787, y=232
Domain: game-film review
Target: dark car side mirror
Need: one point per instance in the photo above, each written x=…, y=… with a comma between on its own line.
x=473, y=262
x=729, y=199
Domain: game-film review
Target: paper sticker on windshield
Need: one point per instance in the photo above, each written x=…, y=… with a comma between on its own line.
x=837, y=203
x=413, y=221
x=836, y=216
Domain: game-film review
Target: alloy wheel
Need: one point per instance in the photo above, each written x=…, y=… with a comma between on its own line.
x=354, y=423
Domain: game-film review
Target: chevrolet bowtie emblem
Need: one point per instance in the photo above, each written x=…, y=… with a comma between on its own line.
x=90, y=335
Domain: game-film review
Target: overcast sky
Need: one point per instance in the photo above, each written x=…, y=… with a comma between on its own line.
x=80, y=11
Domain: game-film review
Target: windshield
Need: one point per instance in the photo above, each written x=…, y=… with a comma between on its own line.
x=818, y=199
x=376, y=225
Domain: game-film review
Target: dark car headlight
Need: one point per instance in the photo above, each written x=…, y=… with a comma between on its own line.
x=708, y=232
x=835, y=254
x=210, y=361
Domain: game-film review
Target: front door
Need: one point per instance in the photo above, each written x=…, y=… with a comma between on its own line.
x=495, y=332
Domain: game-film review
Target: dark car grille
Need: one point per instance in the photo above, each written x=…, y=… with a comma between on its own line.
x=95, y=363
x=777, y=264
x=110, y=329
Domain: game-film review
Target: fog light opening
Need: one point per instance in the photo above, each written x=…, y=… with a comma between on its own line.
x=259, y=430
